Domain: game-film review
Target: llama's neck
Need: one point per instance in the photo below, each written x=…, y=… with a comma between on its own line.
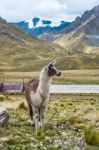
x=44, y=83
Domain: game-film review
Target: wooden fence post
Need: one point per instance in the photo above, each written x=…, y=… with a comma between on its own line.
x=23, y=81
x=3, y=80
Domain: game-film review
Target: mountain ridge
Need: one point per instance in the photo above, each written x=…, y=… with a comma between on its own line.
x=79, y=20
x=85, y=37
x=38, y=28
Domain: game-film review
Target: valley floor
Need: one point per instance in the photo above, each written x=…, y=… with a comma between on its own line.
x=90, y=76
x=66, y=118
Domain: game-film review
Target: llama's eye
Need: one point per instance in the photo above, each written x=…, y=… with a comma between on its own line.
x=53, y=70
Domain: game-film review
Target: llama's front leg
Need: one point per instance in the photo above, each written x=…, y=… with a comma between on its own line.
x=33, y=122
x=42, y=111
x=36, y=117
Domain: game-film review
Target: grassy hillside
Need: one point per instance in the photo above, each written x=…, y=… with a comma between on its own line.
x=84, y=38
x=21, y=52
x=77, y=42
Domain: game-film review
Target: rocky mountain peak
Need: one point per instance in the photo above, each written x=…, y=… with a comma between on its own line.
x=80, y=20
x=2, y=20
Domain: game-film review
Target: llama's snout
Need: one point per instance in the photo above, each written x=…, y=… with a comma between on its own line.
x=59, y=73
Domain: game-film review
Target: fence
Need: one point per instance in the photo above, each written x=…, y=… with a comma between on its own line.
x=17, y=86
x=15, y=80
x=9, y=85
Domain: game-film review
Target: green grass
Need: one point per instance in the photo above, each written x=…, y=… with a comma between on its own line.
x=92, y=136
x=67, y=116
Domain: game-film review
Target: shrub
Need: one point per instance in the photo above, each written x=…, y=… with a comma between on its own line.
x=91, y=136
x=62, y=121
x=40, y=135
x=90, y=147
x=53, y=148
x=50, y=133
x=2, y=97
x=22, y=106
x=75, y=119
x=79, y=126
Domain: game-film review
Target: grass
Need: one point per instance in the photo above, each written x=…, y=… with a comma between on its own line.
x=67, y=117
x=92, y=136
x=67, y=77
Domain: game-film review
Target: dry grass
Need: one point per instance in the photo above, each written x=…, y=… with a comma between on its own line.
x=67, y=77
x=70, y=114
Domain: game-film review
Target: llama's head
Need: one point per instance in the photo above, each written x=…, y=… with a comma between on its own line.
x=52, y=70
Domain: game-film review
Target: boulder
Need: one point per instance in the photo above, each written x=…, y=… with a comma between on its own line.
x=4, y=117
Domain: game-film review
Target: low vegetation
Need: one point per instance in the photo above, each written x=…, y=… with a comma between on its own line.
x=2, y=98
x=92, y=136
x=66, y=126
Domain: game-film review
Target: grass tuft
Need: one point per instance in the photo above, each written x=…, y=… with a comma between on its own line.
x=2, y=98
x=91, y=136
x=22, y=106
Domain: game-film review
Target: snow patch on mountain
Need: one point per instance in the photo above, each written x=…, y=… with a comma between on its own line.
x=30, y=23
x=40, y=23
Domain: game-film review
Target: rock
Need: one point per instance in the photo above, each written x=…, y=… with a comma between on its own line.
x=4, y=117
x=48, y=139
x=1, y=144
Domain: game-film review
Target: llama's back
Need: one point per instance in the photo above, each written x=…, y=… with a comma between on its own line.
x=29, y=87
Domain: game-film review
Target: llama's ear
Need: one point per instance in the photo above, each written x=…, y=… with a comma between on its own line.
x=50, y=65
x=53, y=62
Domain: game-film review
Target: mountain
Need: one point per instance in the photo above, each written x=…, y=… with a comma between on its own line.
x=82, y=35
x=45, y=30
x=80, y=20
x=21, y=52
x=77, y=48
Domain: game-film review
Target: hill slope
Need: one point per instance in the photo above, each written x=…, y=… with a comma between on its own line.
x=21, y=52
x=83, y=38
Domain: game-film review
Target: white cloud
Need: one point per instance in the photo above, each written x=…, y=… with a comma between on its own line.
x=78, y=6
x=17, y=10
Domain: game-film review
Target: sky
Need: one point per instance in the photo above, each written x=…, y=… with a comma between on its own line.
x=18, y=10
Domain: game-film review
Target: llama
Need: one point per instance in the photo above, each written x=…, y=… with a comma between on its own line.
x=37, y=94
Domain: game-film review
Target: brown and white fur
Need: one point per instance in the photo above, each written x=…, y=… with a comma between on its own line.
x=37, y=94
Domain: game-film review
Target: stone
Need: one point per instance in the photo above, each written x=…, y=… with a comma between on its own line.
x=4, y=117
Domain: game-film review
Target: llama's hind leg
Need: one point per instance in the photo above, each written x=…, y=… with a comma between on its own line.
x=31, y=116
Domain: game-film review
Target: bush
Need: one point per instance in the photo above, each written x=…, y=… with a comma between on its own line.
x=2, y=97
x=53, y=148
x=90, y=147
x=40, y=135
x=91, y=136
x=22, y=106
x=50, y=133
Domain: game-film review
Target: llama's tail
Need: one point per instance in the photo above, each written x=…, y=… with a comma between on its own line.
x=28, y=99
x=27, y=95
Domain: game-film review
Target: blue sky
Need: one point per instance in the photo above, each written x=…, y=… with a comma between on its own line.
x=17, y=10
